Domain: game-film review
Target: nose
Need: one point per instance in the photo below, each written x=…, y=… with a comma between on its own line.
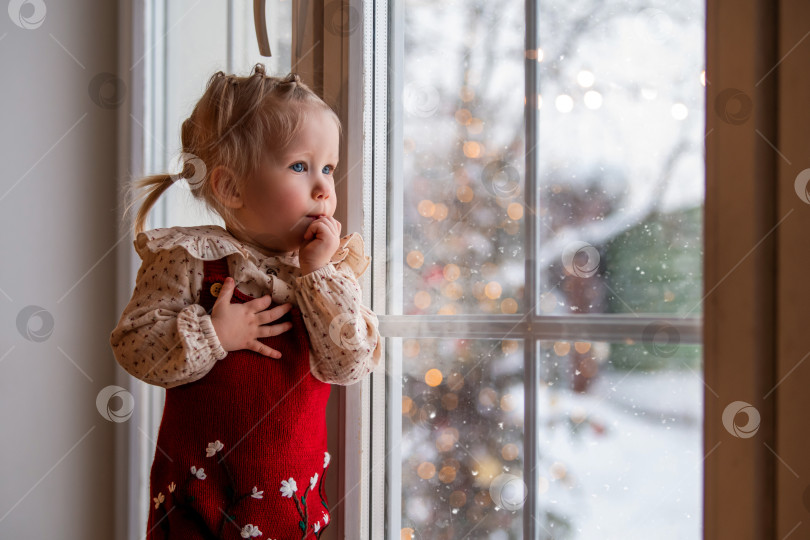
x=322, y=189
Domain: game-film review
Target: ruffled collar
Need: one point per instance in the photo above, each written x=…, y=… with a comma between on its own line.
x=212, y=242
x=208, y=243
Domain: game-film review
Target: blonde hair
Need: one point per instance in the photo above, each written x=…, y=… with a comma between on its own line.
x=235, y=121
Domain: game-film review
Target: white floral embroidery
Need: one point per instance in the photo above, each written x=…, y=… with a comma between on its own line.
x=199, y=473
x=326, y=458
x=256, y=493
x=250, y=530
x=213, y=448
x=288, y=488
x=325, y=518
x=316, y=527
x=313, y=481
x=159, y=499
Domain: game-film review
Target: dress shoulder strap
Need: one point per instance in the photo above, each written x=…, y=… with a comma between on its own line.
x=214, y=274
x=215, y=270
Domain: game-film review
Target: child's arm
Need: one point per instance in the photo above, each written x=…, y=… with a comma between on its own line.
x=346, y=343
x=164, y=337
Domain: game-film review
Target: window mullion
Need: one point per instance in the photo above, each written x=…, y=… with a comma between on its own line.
x=531, y=367
x=594, y=327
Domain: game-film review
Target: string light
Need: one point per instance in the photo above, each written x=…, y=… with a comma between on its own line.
x=562, y=348
x=464, y=194
x=515, y=211
x=509, y=306
x=447, y=474
x=582, y=346
x=493, y=290
x=472, y=149
x=463, y=116
x=679, y=111
x=426, y=208
x=415, y=259
x=433, y=377
x=457, y=499
x=440, y=211
x=466, y=93
x=426, y=470
x=564, y=103
x=509, y=452
x=585, y=78
x=453, y=291
x=422, y=299
x=407, y=403
x=451, y=272
x=592, y=99
x=507, y=402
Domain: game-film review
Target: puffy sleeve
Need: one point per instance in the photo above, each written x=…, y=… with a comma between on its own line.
x=346, y=343
x=164, y=337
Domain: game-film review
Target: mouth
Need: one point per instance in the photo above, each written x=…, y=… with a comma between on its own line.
x=315, y=216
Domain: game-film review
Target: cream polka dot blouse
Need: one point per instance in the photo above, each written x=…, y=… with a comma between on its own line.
x=165, y=337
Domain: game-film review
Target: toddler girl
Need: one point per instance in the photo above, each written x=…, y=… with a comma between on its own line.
x=247, y=326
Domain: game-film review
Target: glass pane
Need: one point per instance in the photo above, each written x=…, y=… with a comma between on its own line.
x=620, y=231
x=462, y=157
x=462, y=439
x=621, y=441
x=621, y=156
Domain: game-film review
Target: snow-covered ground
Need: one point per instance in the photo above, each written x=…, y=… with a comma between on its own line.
x=635, y=470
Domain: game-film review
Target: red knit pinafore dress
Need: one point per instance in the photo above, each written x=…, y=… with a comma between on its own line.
x=241, y=452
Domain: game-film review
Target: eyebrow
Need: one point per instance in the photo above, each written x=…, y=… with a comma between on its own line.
x=287, y=156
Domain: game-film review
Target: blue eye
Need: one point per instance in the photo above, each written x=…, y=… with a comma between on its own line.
x=331, y=169
x=295, y=165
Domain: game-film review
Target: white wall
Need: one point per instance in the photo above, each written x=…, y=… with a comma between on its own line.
x=57, y=227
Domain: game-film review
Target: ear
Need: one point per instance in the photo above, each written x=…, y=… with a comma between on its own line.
x=223, y=183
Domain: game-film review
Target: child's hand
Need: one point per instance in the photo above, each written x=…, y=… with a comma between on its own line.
x=321, y=240
x=238, y=326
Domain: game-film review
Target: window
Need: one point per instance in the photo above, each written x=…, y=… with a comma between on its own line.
x=523, y=333
x=544, y=275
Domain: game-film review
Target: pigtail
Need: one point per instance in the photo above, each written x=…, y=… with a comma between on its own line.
x=288, y=85
x=149, y=190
